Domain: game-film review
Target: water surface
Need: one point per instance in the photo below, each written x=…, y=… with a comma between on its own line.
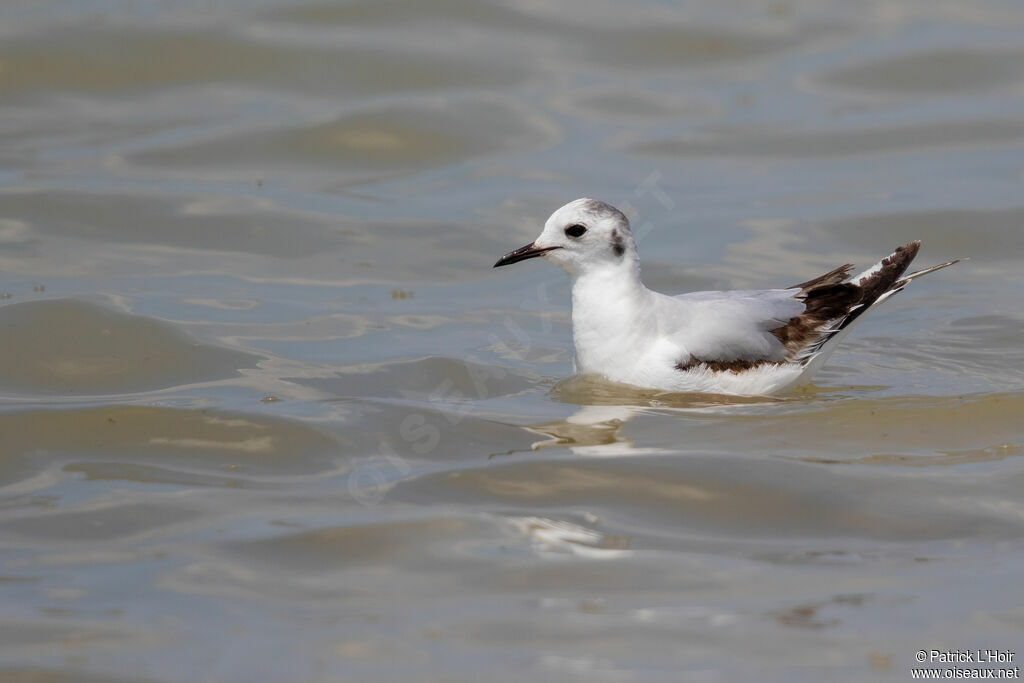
x=268, y=414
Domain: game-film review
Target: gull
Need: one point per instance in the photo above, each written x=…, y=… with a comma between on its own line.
x=742, y=342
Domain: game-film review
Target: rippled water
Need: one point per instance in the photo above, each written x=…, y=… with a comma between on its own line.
x=268, y=414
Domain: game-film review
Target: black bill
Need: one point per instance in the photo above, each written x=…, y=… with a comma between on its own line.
x=522, y=253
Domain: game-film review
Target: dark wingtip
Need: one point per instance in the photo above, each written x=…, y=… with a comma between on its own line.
x=906, y=253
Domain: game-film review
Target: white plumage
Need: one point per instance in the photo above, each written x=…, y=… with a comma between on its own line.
x=749, y=342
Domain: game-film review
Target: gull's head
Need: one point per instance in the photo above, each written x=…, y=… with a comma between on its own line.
x=583, y=235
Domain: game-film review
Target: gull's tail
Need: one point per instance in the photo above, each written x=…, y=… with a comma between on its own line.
x=924, y=271
x=835, y=302
x=884, y=279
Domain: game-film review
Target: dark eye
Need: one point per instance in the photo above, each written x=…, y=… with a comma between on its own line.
x=576, y=230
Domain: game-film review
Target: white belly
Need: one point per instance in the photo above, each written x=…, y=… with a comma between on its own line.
x=655, y=367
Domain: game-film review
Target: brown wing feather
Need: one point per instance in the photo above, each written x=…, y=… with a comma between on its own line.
x=831, y=277
x=832, y=304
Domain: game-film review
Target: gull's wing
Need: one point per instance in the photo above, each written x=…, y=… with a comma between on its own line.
x=741, y=329
x=732, y=326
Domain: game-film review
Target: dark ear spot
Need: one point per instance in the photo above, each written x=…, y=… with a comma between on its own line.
x=618, y=246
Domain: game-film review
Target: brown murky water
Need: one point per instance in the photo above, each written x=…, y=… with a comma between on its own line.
x=267, y=413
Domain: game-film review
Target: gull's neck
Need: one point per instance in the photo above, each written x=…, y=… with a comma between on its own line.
x=610, y=307
x=620, y=278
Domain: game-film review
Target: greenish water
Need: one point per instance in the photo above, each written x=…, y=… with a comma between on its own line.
x=268, y=414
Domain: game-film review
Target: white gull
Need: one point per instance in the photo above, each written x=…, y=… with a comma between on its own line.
x=747, y=342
